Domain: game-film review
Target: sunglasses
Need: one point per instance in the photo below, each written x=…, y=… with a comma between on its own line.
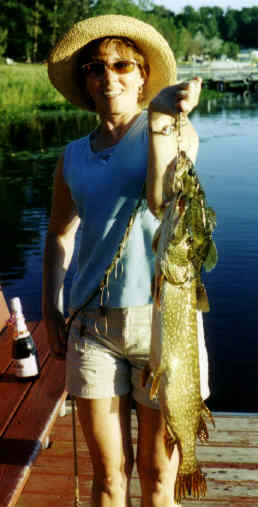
x=97, y=69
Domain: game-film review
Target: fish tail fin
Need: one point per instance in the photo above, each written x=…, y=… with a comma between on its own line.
x=192, y=484
x=155, y=384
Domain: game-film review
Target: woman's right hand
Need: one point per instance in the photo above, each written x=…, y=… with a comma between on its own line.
x=182, y=97
x=56, y=333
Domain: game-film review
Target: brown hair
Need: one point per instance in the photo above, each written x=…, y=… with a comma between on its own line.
x=124, y=46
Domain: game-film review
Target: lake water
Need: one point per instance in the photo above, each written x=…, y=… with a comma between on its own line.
x=228, y=167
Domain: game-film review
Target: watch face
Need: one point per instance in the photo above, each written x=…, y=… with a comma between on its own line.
x=165, y=131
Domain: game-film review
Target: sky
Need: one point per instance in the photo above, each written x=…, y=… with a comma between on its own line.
x=178, y=5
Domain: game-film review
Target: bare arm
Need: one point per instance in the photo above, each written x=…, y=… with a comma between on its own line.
x=163, y=148
x=58, y=253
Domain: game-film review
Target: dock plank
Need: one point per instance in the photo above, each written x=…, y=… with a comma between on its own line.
x=230, y=463
x=228, y=455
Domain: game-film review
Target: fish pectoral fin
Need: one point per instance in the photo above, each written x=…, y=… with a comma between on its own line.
x=212, y=258
x=169, y=440
x=205, y=412
x=156, y=238
x=158, y=285
x=192, y=484
x=202, y=432
x=202, y=299
x=155, y=384
x=153, y=287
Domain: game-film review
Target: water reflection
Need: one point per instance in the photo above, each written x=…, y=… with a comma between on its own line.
x=228, y=169
x=28, y=155
x=50, y=129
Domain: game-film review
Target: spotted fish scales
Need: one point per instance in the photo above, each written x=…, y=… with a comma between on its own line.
x=183, y=246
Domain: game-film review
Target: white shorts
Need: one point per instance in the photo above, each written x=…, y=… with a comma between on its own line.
x=106, y=354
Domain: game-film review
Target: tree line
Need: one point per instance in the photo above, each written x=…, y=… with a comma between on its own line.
x=30, y=28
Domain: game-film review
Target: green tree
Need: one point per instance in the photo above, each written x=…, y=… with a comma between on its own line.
x=161, y=12
x=34, y=26
x=215, y=47
x=248, y=23
x=230, y=26
x=34, y=30
x=210, y=21
x=126, y=7
x=164, y=21
x=231, y=49
x=14, y=16
x=145, y=5
x=60, y=16
x=184, y=42
x=190, y=19
x=199, y=44
x=3, y=41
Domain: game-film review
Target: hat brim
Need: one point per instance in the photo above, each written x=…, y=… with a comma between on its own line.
x=62, y=62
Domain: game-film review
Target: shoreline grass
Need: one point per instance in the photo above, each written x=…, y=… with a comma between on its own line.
x=27, y=87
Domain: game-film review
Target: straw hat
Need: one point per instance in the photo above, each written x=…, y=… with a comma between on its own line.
x=62, y=62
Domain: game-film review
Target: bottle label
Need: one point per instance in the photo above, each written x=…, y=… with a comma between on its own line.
x=26, y=367
x=18, y=334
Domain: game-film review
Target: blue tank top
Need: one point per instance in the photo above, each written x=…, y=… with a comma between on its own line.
x=106, y=187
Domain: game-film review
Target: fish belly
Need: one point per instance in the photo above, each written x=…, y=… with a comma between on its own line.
x=175, y=366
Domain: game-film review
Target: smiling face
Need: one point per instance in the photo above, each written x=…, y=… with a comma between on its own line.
x=113, y=92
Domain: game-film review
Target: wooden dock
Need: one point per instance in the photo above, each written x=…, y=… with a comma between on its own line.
x=28, y=410
x=230, y=461
x=224, y=80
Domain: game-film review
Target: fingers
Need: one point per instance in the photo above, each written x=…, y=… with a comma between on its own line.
x=188, y=94
x=182, y=97
x=193, y=85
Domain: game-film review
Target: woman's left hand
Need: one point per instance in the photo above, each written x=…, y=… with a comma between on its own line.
x=182, y=97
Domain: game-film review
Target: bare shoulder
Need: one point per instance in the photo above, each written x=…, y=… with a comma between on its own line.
x=190, y=140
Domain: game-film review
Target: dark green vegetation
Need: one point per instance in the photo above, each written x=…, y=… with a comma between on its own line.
x=29, y=28
x=26, y=93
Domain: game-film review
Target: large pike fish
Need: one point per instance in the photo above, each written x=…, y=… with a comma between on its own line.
x=184, y=245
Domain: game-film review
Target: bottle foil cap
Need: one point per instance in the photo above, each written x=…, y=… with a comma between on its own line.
x=16, y=306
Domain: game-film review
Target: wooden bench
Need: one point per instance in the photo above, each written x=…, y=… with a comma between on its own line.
x=28, y=410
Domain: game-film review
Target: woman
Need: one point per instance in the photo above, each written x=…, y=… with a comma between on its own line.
x=114, y=65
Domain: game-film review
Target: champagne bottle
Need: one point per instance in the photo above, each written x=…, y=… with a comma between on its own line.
x=24, y=352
